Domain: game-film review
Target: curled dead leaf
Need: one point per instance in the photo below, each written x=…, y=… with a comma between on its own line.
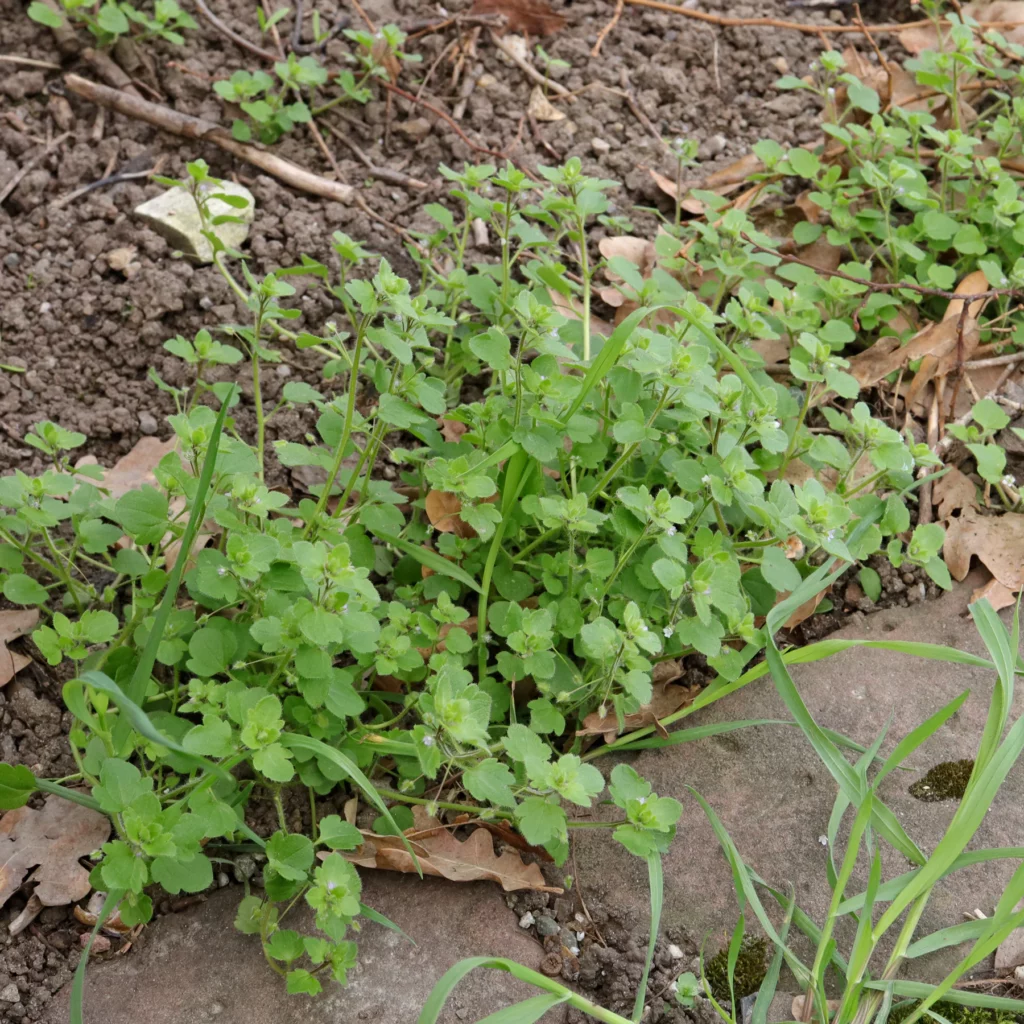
x=135, y=469
x=442, y=855
x=667, y=698
x=534, y=17
x=443, y=508
x=12, y=625
x=996, y=541
x=52, y=841
x=89, y=914
x=451, y=430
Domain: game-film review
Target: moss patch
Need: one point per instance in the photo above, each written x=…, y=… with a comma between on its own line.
x=957, y=1014
x=946, y=781
x=751, y=967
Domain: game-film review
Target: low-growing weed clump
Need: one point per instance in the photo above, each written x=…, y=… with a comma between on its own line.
x=570, y=509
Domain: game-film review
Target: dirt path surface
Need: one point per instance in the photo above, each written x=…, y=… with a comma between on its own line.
x=86, y=333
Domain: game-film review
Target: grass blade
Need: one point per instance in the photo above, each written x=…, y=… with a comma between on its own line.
x=766, y=991
x=296, y=741
x=920, y=990
x=529, y=1011
x=75, y=1015
x=945, y=937
x=144, y=669
x=378, y=918
x=657, y=880
x=432, y=560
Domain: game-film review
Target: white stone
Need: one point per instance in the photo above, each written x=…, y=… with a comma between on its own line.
x=600, y=147
x=526, y=921
x=10, y=994
x=675, y=952
x=174, y=216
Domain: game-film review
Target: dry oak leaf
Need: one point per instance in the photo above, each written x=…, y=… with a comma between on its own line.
x=443, y=508
x=12, y=625
x=452, y=430
x=533, y=17
x=723, y=182
x=996, y=594
x=952, y=492
x=997, y=541
x=442, y=855
x=51, y=841
x=666, y=699
x=135, y=469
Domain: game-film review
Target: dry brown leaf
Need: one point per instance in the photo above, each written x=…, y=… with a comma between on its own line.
x=89, y=914
x=805, y=611
x=443, y=508
x=51, y=841
x=135, y=469
x=541, y=108
x=12, y=625
x=451, y=430
x=534, y=17
x=997, y=542
x=666, y=699
x=640, y=252
x=469, y=625
x=952, y=492
x=996, y=594
x=442, y=855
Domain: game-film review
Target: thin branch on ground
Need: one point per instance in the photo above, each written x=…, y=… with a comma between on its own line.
x=529, y=69
x=29, y=164
x=603, y=34
x=9, y=58
x=626, y=92
x=795, y=26
x=884, y=286
x=177, y=123
x=1008, y=360
x=386, y=174
x=112, y=179
x=231, y=34
x=362, y=14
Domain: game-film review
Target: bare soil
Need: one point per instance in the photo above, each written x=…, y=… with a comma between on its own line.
x=86, y=336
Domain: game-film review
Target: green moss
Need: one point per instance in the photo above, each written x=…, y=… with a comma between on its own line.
x=957, y=1014
x=751, y=967
x=946, y=781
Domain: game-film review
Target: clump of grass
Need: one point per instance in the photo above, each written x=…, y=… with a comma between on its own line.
x=946, y=781
x=751, y=967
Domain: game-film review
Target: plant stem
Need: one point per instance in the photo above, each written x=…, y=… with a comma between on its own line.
x=257, y=392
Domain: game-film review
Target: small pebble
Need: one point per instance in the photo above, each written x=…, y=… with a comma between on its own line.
x=147, y=423
x=10, y=994
x=206, y=302
x=600, y=147
x=12, y=259
x=222, y=879
x=547, y=926
x=675, y=952
x=526, y=921
x=284, y=370
x=45, y=307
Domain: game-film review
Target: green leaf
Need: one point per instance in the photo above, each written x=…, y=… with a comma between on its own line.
x=871, y=583
x=541, y=821
x=491, y=781
x=301, y=982
x=493, y=348
x=338, y=834
x=432, y=560
x=176, y=875
x=22, y=589
x=290, y=855
x=274, y=762
x=143, y=514
x=120, y=785
x=17, y=784
x=44, y=15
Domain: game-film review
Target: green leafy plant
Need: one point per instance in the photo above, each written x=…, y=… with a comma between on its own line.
x=114, y=18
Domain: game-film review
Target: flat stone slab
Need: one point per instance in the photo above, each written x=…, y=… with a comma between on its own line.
x=195, y=968
x=774, y=796
x=173, y=214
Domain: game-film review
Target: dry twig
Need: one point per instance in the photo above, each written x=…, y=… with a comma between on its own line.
x=9, y=58
x=392, y=177
x=1008, y=360
x=603, y=34
x=530, y=70
x=231, y=34
x=205, y=131
x=29, y=164
x=795, y=26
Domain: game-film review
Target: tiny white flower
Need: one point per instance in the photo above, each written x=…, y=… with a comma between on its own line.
x=705, y=479
x=823, y=840
x=428, y=741
x=1009, y=480
x=221, y=571
x=671, y=531
x=774, y=424
x=668, y=631
x=641, y=800
x=831, y=92
x=644, y=629
x=831, y=535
